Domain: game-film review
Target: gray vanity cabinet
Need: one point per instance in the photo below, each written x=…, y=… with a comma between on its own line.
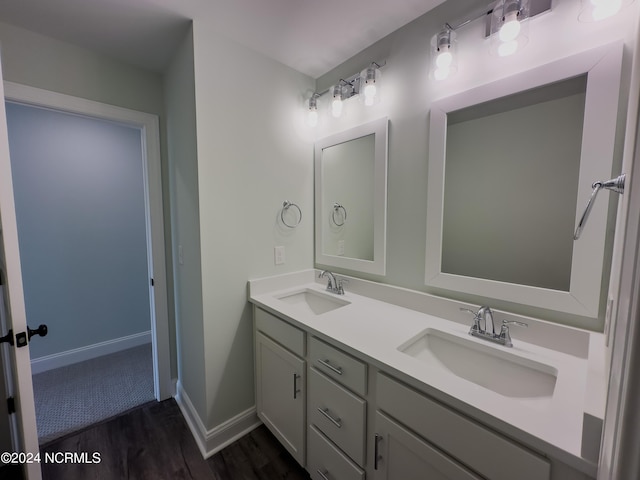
x=343, y=418
x=402, y=455
x=281, y=382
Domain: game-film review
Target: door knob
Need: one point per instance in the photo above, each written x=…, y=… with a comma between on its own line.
x=42, y=330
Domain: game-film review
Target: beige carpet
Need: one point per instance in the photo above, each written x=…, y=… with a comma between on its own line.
x=76, y=396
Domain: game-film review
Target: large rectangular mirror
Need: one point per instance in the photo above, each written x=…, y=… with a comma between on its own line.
x=510, y=169
x=351, y=197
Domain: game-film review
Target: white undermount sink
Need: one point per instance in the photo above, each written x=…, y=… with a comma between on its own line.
x=493, y=368
x=312, y=301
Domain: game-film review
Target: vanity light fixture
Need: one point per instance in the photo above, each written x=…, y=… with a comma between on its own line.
x=312, y=114
x=443, y=53
x=509, y=28
x=506, y=25
x=365, y=83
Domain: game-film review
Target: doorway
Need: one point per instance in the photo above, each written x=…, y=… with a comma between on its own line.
x=95, y=319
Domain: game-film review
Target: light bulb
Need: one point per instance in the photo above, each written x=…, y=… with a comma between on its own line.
x=441, y=73
x=510, y=29
x=369, y=85
x=444, y=60
x=312, y=119
x=603, y=9
x=336, y=107
x=370, y=91
x=507, y=48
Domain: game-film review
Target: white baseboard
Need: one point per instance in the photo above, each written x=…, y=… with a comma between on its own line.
x=62, y=359
x=212, y=441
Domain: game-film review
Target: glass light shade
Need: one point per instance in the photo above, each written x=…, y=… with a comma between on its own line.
x=370, y=85
x=444, y=62
x=509, y=27
x=312, y=114
x=336, y=103
x=596, y=10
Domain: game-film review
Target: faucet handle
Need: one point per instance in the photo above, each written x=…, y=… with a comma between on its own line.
x=340, y=282
x=506, y=323
x=476, y=319
x=504, y=331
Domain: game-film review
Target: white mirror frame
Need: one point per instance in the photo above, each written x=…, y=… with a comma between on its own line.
x=378, y=264
x=603, y=69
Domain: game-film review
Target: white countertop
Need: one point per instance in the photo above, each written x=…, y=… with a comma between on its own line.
x=374, y=330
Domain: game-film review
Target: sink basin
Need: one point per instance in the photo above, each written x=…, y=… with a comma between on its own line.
x=314, y=302
x=490, y=367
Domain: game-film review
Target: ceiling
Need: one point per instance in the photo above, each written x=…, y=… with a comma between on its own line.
x=311, y=36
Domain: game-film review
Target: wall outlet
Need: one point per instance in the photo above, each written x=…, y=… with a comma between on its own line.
x=180, y=255
x=340, y=247
x=278, y=255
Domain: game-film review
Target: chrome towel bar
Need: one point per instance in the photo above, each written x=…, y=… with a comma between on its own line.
x=615, y=185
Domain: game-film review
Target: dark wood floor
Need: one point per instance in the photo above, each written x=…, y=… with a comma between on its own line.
x=153, y=442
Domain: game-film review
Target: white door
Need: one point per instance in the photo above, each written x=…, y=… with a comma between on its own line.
x=17, y=321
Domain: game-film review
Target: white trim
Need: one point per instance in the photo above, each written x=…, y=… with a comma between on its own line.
x=23, y=383
x=76, y=355
x=149, y=128
x=212, y=441
x=621, y=429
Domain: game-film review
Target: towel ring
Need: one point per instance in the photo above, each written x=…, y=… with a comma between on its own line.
x=336, y=209
x=285, y=207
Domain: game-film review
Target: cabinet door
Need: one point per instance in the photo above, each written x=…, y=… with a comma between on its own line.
x=280, y=394
x=401, y=455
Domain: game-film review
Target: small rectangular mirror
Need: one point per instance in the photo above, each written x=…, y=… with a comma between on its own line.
x=351, y=197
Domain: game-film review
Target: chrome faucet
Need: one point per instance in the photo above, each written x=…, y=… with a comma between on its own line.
x=486, y=315
x=334, y=285
x=483, y=327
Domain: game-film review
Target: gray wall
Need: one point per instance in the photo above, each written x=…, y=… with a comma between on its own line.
x=252, y=155
x=32, y=59
x=183, y=166
x=79, y=194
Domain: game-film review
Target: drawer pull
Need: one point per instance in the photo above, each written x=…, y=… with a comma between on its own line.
x=325, y=411
x=322, y=474
x=295, y=385
x=326, y=363
x=376, y=456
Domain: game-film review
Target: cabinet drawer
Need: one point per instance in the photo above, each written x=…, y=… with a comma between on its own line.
x=461, y=437
x=338, y=365
x=325, y=459
x=337, y=413
x=285, y=334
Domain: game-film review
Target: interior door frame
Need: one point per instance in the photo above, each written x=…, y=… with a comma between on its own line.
x=154, y=213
